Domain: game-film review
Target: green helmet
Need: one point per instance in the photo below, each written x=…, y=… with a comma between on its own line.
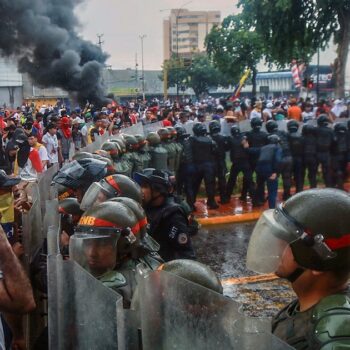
x=172, y=132
x=81, y=155
x=131, y=142
x=292, y=126
x=103, y=153
x=195, y=272
x=70, y=206
x=70, y=211
x=64, y=191
x=111, y=148
x=141, y=140
x=120, y=144
x=116, y=185
x=103, y=237
x=153, y=138
x=164, y=134
x=314, y=223
x=110, y=167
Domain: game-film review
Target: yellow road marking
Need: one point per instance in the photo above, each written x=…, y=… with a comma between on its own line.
x=250, y=279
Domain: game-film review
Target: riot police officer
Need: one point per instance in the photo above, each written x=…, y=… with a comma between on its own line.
x=165, y=138
x=268, y=167
x=204, y=151
x=132, y=156
x=159, y=155
x=339, y=153
x=221, y=169
x=142, y=151
x=108, y=243
x=296, y=144
x=256, y=139
x=287, y=162
x=239, y=156
x=306, y=241
x=116, y=149
x=168, y=223
x=324, y=140
x=310, y=153
x=80, y=174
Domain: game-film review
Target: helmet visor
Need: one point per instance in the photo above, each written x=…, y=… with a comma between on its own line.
x=93, y=196
x=267, y=243
x=95, y=253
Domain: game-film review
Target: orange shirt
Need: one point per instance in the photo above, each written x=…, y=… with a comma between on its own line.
x=294, y=112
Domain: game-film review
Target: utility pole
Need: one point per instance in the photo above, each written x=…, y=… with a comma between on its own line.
x=100, y=42
x=136, y=76
x=142, y=37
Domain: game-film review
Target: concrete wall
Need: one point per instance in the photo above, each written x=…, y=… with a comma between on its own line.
x=11, y=96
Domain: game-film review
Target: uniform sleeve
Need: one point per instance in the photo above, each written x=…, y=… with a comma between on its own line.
x=178, y=236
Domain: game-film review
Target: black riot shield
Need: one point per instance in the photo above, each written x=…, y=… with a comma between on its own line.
x=83, y=313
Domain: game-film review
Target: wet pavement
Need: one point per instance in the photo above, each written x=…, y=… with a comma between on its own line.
x=223, y=248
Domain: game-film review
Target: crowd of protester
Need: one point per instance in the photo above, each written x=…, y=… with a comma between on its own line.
x=202, y=141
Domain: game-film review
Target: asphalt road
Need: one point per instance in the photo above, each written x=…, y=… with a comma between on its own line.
x=224, y=248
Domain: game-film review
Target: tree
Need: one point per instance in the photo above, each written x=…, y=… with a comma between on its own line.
x=296, y=29
x=197, y=73
x=235, y=46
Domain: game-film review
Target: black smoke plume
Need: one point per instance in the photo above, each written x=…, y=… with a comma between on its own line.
x=42, y=35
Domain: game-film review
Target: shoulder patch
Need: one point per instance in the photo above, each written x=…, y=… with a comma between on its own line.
x=182, y=238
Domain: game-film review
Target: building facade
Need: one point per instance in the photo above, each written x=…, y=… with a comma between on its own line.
x=11, y=84
x=184, y=31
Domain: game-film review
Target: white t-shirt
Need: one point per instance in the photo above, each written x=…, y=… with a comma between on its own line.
x=255, y=114
x=51, y=144
x=43, y=155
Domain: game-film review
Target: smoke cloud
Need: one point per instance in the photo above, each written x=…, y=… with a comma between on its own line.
x=42, y=35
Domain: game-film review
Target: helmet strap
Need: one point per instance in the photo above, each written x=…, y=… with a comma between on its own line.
x=295, y=274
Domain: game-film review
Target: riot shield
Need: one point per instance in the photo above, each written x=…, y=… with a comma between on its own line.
x=244, y=125
x=45, y=186
x=153, y=127
x=33, y=238
x=32, y=226
x=282, y=125
x=52, y=226
x=178, y=314
x=83, y=313
x=189, y=127
x=134, y=129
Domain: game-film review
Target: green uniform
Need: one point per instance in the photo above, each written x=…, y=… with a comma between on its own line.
x=325, y=326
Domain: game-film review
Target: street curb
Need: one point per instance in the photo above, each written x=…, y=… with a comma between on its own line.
x=229, y=219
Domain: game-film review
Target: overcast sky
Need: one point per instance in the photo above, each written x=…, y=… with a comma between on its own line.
x=122, y=21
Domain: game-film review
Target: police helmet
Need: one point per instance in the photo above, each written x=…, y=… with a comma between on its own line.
x=195, y=272
x=274, y=139
x=157, y=179
x=292, y=126
x=256, y=123
x=314, y=223
x=323, y=120
x=235, y=131
x=340, y=128
x=79, y=174
x=199, y=129
x=116, y=185
x=214, y=127
x=153, y=138
x=271, y=126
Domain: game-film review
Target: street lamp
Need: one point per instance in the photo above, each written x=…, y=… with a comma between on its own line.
x=143, y=70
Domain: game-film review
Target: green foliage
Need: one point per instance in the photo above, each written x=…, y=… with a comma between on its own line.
x=298, y=28
x=199, y=74
x=235, y=46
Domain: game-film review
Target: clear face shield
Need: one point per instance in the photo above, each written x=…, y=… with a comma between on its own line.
x=272, y=234
x=95, y=251
x=93, y=196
